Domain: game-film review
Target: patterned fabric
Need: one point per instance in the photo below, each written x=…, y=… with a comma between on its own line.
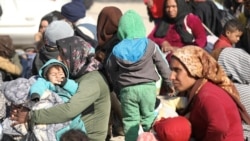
x=236, y=62
x=2, y=100
x=18, y=95
x=201, y=65
x=78, y=56
x=183, y=10
x=47, y=132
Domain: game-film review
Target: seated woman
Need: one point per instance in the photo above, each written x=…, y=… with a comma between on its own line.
x=178, y=27
x=214, y=106
x=91, y=100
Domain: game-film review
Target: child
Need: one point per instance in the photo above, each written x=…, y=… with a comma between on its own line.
x=74, y=135
x=53, y=77
x=131, y=67
x=231, y=34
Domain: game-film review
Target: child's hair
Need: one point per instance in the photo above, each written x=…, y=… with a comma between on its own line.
x=233, y=25
x=74, y=135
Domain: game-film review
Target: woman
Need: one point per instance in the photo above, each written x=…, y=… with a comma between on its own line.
x=92, y=98
x=214, y=107
x=172, y=33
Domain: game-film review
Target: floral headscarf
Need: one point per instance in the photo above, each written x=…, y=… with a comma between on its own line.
x=203, y=66
x=79, y=56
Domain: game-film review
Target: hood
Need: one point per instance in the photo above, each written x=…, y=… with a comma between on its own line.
x=133, y=54
x=50, y=63
x=131, y=26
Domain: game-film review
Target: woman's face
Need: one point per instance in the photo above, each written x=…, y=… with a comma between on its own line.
x=43, y=26
x=180, y=77
x=171, y=8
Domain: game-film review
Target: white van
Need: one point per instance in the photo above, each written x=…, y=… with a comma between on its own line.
x=21, y=18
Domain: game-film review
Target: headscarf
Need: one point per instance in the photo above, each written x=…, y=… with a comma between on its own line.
x=107, y=24
x=7, y=49
x=79, y=56
x=183, y=9
x=131, y=26
x=204, y=67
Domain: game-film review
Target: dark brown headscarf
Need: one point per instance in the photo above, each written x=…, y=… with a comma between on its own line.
x=107, y=26
x=7, y=49
x=204, y=67
x=107, y=23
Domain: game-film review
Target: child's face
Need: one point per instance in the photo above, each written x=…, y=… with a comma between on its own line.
x=234, y=36
x=56, y=75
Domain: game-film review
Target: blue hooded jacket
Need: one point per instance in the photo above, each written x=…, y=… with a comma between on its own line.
x=42, y=84
x=68, y=89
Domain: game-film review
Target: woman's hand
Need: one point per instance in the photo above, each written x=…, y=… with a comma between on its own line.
x=38, y=36
x=166, y=47
x=19, y=114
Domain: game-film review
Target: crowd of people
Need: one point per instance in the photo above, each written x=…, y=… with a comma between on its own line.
x=88, y=80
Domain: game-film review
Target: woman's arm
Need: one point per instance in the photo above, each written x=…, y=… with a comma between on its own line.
x=87, y=93
x=198, y=31
x=157, y=40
